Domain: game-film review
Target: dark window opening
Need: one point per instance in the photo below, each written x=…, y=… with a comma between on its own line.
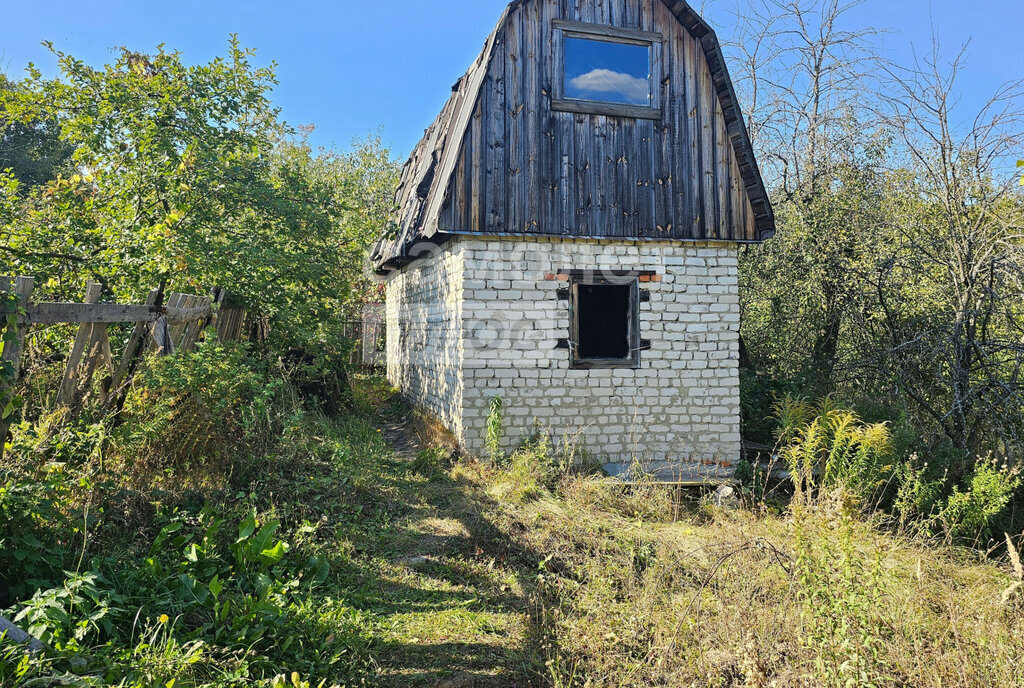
x=604, y=321
x=605, y=324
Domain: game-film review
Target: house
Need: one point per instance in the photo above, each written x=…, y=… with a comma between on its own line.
x=569, y=235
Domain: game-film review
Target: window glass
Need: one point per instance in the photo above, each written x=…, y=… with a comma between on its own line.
x=607, y=71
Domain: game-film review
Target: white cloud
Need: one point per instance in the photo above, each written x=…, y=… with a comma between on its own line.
x=632, y=89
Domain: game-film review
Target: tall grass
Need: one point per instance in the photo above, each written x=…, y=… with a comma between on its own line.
x=818, y=592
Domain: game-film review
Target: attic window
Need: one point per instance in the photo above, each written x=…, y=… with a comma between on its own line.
x=606, y=71
x=605, y=323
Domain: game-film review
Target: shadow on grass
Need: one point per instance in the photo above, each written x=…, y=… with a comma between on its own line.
x=447, y=619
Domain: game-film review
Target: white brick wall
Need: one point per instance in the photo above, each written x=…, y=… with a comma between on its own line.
x=424, y=334
x=678, y=413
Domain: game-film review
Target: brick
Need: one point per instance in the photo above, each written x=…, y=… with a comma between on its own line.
x=481, y=318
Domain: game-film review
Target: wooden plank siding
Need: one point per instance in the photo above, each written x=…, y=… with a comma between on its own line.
x=519, y=166
x=622, y=164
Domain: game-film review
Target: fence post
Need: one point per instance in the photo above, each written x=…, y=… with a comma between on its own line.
x=69, y=384
x=13, y=351
x=217, y=297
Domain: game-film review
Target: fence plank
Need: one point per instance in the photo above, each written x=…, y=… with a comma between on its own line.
x=12, y=632
x=177, y=329
x=217, y=309
x=84, y=313
x=194, y=327
x=162, y=342
x=99, y=355
x=129, y=360
x=69, y=385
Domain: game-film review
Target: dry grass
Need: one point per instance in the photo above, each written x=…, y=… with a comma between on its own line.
x=625, y=596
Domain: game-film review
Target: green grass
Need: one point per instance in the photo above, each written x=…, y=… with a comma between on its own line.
x=422, y=588
x=457, y=573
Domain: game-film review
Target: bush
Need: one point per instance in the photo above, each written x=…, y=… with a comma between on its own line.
x=203, y=404
x=201, y=595
x=32, y=532
x=970, y=513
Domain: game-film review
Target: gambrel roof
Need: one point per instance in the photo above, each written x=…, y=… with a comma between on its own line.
x=444, y=187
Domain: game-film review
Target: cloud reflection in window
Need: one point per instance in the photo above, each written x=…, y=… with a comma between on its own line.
x=608, y=72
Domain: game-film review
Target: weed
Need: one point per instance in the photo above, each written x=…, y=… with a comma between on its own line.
x=839, y=594
x=970, y=513
x=495, y=429
x=430, y=462
x=829, y=447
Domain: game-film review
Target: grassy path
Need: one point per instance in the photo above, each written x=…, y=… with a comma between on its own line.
x=442, y=587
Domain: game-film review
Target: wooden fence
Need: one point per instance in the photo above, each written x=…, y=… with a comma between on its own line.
x=369, y=333
x=161, y=325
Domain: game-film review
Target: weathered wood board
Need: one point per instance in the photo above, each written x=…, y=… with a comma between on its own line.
x=509, y=155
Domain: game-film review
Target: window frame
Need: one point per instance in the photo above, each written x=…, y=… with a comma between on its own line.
x=609, y=34
x=633, y=322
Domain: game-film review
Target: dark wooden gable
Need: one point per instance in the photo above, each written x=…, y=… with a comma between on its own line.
x=501, y=160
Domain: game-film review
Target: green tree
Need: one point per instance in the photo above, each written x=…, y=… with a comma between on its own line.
x=32, y=150
x=185, y=176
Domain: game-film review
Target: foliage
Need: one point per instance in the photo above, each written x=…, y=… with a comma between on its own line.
x=971, y=512
x=322, y=556
x=919, y=495
x=199, y=404
x=10, y=401
x=684, y=595
x=209, y=590
x=894, y=282
x=495, y=429
x=35, y=532
x=839, y=594
x=184, y=176
x=33, y=151
x=754, y=480
x=828, y=448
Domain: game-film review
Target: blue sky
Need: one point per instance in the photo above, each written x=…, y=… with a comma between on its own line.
x=353, y=66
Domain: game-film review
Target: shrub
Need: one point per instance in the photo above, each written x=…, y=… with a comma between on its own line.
x=919, y=494
x=201, y=594
x=31, y=554
x=83, y=609
x=970, y=513
x=202, y=404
